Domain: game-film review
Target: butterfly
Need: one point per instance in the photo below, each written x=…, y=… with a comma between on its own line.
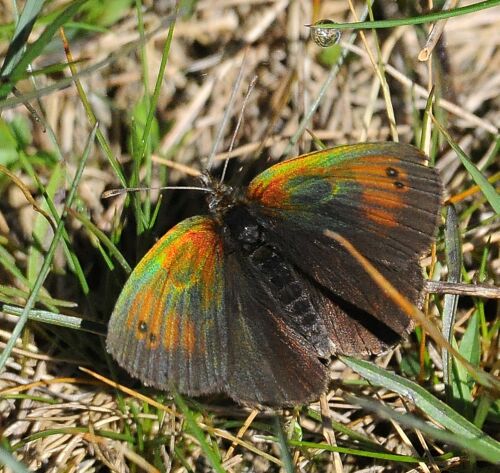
x=253, y=299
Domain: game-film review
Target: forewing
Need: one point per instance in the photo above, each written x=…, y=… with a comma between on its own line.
x=381, y=197
x=169, y=323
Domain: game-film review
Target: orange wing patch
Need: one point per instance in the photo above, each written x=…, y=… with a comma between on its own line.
x=171, y=338
x=383, y=183
x=189, y=338
x=173, y=287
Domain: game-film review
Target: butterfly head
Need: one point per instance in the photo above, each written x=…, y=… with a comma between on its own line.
x=220, y=196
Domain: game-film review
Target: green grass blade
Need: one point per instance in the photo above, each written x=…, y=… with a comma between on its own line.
x=472, y=445
x=45, y=269
x=71, y=257
x=417, y=20
x=35, y=49
x=41, y=227
x=8, y=262
x=484, y=446
x=286, y=457
x=10, y=293
x=104, y=239
x=353, y=435
x=353, y=451
x=21, y=33
x=9, y=461
x=146, y=140
x=453, y=250
x=211, y=454
x=60, y=320
x=488, y=190
x=462, y=382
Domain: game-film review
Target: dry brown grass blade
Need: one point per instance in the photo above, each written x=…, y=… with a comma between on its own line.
x=435, y=33
x=47, y=382
x=28, y=195
x=455, y=199
x=462, y=289
x=329, y=433
x=129, y=391
x=246, y=425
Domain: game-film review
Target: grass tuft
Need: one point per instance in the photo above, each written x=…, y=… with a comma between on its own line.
x=159, y=81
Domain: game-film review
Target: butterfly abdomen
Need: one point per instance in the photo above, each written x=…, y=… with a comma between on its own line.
x=277, y=276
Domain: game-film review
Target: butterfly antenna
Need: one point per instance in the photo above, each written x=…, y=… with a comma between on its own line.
x=114, y=192
x=229, y=107
x=238, y=125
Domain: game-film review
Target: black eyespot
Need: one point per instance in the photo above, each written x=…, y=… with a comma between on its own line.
x=143, y=326
x=391, y=172
x=399, y=184
x=152, y=337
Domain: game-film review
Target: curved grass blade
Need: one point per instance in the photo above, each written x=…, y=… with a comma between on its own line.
x=103, y=239
x=198, y=433
x=21, y=34
x=459, y=432
x=35, y=49
x=416, y=20
x=488, y=190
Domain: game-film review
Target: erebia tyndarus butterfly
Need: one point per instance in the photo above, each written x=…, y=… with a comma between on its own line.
x=252, y=300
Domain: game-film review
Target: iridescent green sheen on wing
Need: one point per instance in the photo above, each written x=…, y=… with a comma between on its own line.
x=318, y=177
x=376, y=187
x=189, y=252
x=283, y=185
x=166, y=325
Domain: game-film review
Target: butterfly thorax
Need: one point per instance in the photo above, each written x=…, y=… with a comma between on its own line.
x=247, y=239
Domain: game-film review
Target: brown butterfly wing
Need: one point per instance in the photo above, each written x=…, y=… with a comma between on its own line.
x=381, y=197
x=169, y=326
x=270, y=361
